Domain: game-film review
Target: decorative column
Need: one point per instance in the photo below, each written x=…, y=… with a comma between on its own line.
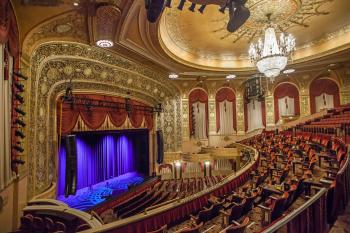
x=240, y=113
x=304, y=101
x=185, y=119
x=270, y=110
x=212, y=116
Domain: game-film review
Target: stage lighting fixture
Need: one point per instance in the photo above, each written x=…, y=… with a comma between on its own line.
x=18, y=161
x=20, y=87
x=18, y=74
x=19, y=98
x=19, y=134
x=168, y=3
x=192, y=7
x=18, y=148
x=181, y=5
x=201, y=9
x=20, y=122
x=20, y=111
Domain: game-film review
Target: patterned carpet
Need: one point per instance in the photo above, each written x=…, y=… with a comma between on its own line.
x=90, y=196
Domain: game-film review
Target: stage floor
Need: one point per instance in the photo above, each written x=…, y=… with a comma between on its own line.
x=90, y=196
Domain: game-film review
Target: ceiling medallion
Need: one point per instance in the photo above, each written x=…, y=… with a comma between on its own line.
x=285, y=14
x=104, y=43
x=271, y=55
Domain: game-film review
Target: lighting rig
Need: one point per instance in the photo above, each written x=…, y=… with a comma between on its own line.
x=92, y=103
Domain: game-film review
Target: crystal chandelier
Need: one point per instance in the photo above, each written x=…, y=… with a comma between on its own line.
x=271, y=56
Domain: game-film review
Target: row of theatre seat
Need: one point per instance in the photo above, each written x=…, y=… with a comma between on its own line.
x=163, y=191
x=286, y=162
x=334, y=121
x=31, y=223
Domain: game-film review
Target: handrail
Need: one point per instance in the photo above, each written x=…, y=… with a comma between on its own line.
x=295, y=213
x=160, y=204
x=47, y=201
x=92, y=221
x=153, y=212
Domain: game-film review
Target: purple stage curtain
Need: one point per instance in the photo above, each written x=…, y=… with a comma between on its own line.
x=99, y=158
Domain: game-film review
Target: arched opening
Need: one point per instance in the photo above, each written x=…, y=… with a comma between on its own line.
x=286, y=101
x=324, y=93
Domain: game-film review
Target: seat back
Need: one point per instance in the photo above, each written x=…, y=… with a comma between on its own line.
x=193, y=229
x=60, y=226
x=240, y=228
x=236, y=211
x=49, y=224
x=26, y=222
x=216, y=209
x=204, y=215
x=82, y=227
x=248, y=206
x=278, y=207
x=38, y=224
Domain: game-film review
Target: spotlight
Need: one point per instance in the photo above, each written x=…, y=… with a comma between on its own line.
x=168, y=3
x=19, y=134
x=181, y=5
x=18, y=161
x=201, y=9
x=20, y=87
x=18, y=74
x=18, y=148
x=192, y=7
x=19, y=98
x=20, y=122
x=20, y=111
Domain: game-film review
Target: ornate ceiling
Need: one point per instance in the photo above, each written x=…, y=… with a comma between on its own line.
x=201, y=40
x=186, y=42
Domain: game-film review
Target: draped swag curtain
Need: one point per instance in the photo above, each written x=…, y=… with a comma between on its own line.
x=94, y=117
x=225, y=111
x=323, y=86
x=282, y=103
x=324, y=101
x=254, y=115
x=8, y=27
x=198, y=95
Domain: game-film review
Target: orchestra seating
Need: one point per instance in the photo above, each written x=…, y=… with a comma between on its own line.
x=292, y=169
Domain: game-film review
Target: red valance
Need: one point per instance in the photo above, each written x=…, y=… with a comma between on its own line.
x=94, y=117
x=198, y=95
x=320, y=86
x=284, y=90
x=222, y=95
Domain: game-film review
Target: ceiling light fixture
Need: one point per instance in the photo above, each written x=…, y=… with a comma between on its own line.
x=104, y=43
x=231, y=76
x=76, y=4
x=271, y=55
x=288, y=71
x=173, y=76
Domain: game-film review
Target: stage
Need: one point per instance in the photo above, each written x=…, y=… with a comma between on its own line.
x=88, y=197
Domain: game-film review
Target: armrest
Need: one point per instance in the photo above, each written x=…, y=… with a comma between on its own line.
x=235, y=223
x=193, y=217
x=224, y=213
x=205, y=208
x=264, y=207
x=273, y=197
x=209, y=229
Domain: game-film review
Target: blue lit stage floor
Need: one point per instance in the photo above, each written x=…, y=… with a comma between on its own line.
x=90, y=196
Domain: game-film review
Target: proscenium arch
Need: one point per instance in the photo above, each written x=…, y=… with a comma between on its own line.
x=48, y=81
